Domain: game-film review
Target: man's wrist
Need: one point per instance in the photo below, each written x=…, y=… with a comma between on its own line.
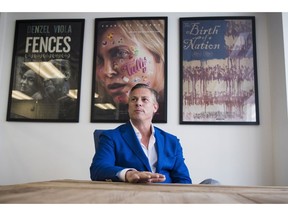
x=126, y=179
x=122, y=174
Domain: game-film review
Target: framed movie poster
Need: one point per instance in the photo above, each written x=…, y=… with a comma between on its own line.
x=46, y=71
x=218, y=71
x=128, y=51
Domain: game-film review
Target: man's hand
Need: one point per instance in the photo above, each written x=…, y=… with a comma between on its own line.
x=133, y=176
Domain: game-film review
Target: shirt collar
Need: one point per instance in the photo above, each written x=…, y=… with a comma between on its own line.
x=137, y=132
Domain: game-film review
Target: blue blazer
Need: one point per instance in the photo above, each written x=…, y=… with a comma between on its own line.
x=119, y=148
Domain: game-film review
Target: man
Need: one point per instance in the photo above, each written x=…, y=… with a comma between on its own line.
x=137, y=151
x=31, y=84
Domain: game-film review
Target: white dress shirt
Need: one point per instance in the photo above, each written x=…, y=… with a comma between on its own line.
x=150, y=152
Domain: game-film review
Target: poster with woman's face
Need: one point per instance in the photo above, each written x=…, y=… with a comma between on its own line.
x=128, y=51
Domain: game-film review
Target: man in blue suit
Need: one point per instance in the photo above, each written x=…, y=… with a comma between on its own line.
x=137, y=151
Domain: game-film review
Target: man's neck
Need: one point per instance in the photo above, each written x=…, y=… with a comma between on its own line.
x=143, y=127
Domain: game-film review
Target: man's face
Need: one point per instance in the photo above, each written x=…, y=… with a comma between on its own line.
x=27, y=83
x=142, y=104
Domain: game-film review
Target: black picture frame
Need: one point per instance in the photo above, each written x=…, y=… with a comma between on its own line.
x=128, y=50
x=46, y=69
x=218, y=71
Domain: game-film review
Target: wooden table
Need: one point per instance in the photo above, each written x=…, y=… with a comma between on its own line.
x=73, y=191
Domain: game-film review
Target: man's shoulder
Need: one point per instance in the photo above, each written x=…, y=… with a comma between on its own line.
x=120, y=128
x=163, y=132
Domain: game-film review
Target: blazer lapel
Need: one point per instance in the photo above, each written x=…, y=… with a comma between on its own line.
x=132, y=141
x=160, y=149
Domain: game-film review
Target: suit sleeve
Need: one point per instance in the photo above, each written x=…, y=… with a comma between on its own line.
x=103, y=164
x=180, y=172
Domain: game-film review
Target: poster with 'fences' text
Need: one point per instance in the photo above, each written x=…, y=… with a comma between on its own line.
x=46, y=71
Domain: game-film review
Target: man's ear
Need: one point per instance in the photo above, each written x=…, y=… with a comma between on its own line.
x=156, y=106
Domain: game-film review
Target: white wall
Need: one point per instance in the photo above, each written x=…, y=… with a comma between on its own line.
x=235, y=155
x=278, y=57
